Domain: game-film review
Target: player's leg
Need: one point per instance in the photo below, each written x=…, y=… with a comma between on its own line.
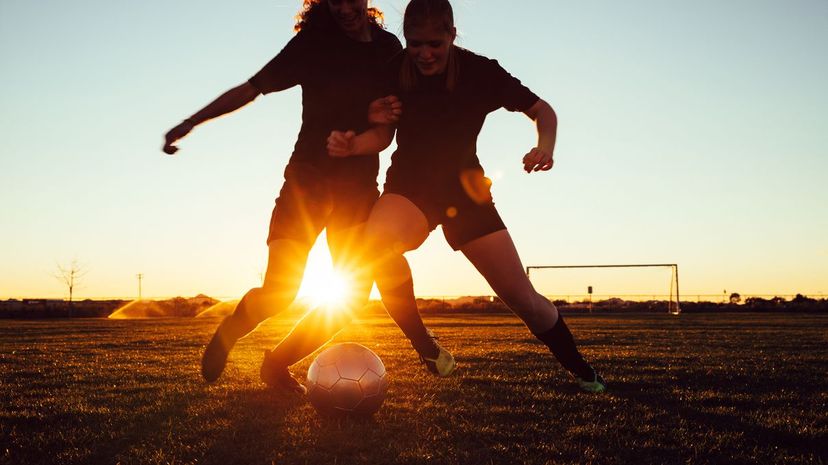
x=321, y=324
x=350, y=260
x=348, y=246
x=286, y=264
x=397, y=225
x=345, y=226
x=297, y=219
x=496, y=258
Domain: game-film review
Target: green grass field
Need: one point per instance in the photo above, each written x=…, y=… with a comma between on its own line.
x=744, y=388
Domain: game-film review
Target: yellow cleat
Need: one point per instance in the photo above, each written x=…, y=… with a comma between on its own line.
x=443, y=365
x=596, y=385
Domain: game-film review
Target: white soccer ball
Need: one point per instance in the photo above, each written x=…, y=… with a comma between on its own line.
x=347, y=379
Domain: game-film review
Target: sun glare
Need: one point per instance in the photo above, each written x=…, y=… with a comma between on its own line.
x=322, y=285
x=333, y=292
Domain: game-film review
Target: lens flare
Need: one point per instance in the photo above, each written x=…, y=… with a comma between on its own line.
x=323, y=285
x=477, y=186
x=333, y=290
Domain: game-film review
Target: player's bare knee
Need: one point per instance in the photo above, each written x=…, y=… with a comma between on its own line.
x=534, y=309
x=261, y=303
x=373, y=234
x=241, y=321
x=384, y=239
x=280, y=286
x=544, y=314
x=518, y=300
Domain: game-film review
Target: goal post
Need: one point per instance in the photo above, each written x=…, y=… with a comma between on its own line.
x=590, y=273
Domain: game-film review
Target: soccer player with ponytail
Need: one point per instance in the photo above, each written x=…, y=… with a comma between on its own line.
x=442, y=98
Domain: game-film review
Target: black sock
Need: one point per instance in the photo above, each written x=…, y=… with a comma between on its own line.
x=402, y=307
x=560, y=342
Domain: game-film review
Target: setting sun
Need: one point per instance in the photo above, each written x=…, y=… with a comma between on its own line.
x=329, y=288
x=322, y=285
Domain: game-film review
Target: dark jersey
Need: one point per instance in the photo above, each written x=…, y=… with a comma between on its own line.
x=339, y=78
x=437, y=132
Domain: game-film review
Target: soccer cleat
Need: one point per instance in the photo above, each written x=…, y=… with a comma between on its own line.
x=279, y=377
x=215, y=357
x=443, y=365
x=596, y=385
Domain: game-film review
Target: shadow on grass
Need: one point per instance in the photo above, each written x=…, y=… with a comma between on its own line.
x=206, y=424
x=724, y=415
x=250, y=424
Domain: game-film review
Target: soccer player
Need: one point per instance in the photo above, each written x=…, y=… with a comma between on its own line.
x=445, y=93
x=337, y=56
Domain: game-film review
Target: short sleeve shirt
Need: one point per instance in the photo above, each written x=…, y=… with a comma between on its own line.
x=438, y=130
x=339, y=77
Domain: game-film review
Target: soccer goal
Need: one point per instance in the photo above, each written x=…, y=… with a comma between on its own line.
x=589, y=285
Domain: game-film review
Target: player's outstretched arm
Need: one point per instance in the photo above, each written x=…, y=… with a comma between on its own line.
x=227, y=102
x=347, y=143
x=540, y=158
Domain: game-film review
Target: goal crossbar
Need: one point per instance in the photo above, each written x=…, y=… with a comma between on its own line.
x=672, y=266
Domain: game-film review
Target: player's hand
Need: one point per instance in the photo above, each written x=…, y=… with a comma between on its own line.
x=386, y=110
x=538, y=160
x=175, y=134
x=341, y=144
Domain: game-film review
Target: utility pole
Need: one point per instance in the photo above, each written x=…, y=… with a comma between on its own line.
x=140, y=277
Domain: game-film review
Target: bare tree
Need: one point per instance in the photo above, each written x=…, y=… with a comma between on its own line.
x=70, y=276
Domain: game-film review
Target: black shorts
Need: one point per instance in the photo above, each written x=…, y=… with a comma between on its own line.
x=463, y=220
x=311, y=201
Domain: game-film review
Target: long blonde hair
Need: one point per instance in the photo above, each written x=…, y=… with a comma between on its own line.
x=417, y=14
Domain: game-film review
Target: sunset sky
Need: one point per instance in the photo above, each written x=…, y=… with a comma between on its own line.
x=690, y=132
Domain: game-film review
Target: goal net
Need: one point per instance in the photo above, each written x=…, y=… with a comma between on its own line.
x=596, y=286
